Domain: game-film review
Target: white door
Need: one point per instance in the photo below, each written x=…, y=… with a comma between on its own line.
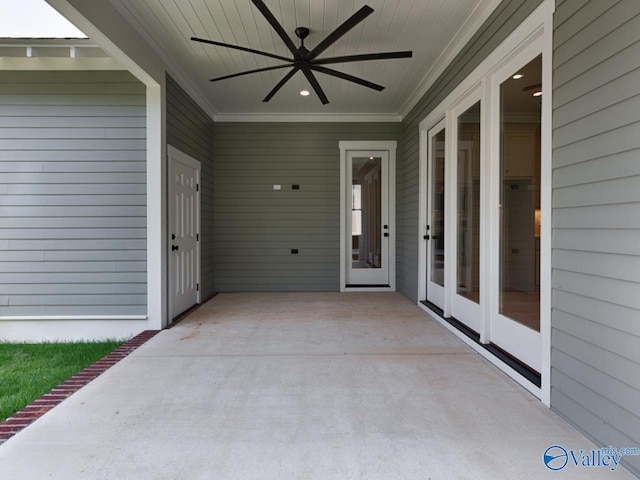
x=184, y=232
x=465, y=226
x=367, y=218
x=436, y=216
x=515, y=326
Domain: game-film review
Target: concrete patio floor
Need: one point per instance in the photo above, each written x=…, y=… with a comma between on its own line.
x=299, y=386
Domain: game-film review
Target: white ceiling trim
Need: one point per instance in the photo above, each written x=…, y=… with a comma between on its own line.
x=311, y=117
x=473, y=23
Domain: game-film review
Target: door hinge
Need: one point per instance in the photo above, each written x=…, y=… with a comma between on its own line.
x=197, y=187
x=197, y=287
x=197, y=237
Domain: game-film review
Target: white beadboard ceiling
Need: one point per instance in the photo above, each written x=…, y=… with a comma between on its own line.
x=434, y=29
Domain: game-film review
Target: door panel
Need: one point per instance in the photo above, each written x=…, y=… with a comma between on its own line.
x=465, y=303
x=184, y=262
x=367, y=218
x=436, y=216
x=516, y=325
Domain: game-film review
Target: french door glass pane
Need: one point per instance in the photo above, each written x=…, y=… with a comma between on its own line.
x=520, y=195
x=366, y=213
x=437, y=208
x=468, y=241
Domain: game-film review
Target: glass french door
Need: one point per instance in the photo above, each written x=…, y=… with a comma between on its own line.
x=465, y=302
x=367, y=218
x=436, y=216
x=515, y=327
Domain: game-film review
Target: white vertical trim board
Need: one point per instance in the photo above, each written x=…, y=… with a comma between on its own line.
x=156, y=208
x=532, y=37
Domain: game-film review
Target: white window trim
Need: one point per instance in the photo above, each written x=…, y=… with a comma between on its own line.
x=535, y=32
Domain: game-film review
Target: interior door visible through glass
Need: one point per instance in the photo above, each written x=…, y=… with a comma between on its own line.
x=520, y=195
x=366, y=224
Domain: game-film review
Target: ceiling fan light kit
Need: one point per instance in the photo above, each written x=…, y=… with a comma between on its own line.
x=305, y=60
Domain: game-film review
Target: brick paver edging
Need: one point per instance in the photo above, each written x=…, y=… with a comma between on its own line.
x=42, y=405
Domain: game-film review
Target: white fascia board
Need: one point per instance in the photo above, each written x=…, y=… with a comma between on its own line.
x=111, y=32
x=68, y=64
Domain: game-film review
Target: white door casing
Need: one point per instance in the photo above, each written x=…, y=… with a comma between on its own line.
x=184, y=232
x=380, y=180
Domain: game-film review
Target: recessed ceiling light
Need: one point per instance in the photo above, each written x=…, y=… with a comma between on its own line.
x=517, y=76
x=304, y=93
x=537, y=94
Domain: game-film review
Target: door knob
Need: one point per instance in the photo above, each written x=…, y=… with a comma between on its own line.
x=174, y=248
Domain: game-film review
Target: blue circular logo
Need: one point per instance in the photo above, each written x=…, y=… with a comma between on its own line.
x=555, y=457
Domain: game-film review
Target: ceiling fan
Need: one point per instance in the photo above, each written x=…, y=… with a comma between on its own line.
x=307, y=61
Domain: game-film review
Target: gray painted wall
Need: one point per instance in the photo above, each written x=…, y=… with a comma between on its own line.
x=256, y=227
x=190, y=130
x=507, y=16
x=596, y=219
x=72, y=194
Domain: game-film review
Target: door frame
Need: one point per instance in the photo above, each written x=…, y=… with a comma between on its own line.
x=173, y=154
x=346, y=147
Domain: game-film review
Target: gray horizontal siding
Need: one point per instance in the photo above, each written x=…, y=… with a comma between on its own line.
x=506, y=17
x=190, y=130
x=72, y=194
x=256, y=227
x=595, y=362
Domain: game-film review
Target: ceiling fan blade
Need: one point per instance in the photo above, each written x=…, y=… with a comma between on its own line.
x=363, y=58
x=316, y=86
x=244, y=49
x=346, y=76
x=266, y=13
x=265, y=69
x=351, y=22
x=279, y=85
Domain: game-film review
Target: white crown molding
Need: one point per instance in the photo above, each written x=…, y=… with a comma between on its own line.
x=471, y=25
x=307, y=118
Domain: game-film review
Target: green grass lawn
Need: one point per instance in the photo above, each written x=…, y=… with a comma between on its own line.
x=28, y=370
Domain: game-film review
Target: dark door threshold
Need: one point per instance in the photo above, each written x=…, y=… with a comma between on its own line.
x=523, y=369
x=357, y=285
